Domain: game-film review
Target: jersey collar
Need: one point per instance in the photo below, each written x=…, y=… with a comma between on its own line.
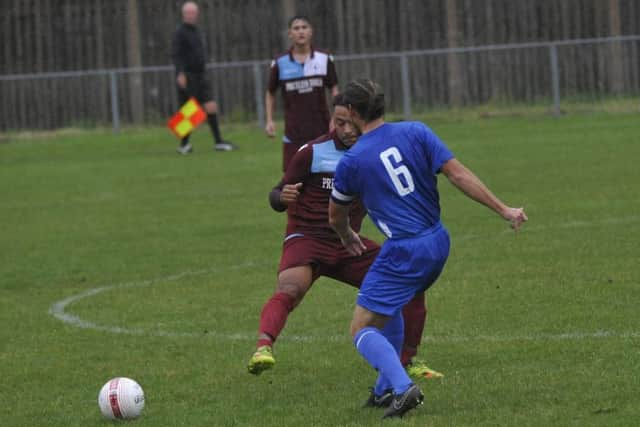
x=291, y=53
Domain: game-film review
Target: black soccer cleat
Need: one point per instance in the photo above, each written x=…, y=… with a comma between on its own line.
x=382, y=401
x=402, y=403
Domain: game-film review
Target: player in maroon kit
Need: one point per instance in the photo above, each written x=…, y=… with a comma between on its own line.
x=303, y=74
x=312, y=249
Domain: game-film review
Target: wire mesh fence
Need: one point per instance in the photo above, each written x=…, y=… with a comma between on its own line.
x=592, y=73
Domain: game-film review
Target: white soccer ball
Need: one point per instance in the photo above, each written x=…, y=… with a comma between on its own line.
x=121, y=399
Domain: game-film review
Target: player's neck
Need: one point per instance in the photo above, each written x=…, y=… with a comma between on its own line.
x=371, y=126
x=302, y=50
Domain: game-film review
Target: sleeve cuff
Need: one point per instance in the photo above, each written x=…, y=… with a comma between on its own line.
x=445, y=160
x=274, y=201
x=341, y=198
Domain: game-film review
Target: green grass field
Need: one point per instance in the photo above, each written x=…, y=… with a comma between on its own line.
x=161, y=265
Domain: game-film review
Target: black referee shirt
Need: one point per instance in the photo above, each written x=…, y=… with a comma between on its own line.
x=187, y=49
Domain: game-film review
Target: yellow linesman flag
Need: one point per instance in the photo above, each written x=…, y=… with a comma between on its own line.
x=187, y=118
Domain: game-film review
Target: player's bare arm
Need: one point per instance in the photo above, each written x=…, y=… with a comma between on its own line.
x=270, y=103
x=470, y=184
x=339, y=221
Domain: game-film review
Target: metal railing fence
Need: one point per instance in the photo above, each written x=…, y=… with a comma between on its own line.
x=541, y=73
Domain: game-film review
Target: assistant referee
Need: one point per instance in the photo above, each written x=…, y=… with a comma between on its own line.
x=189, y=58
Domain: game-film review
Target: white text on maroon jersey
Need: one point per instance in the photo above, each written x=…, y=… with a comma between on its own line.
x=327, y=183
x=303, y=86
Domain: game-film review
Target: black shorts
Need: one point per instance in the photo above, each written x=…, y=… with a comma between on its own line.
x=197, y=86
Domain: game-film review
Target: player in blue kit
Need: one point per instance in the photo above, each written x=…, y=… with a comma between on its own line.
x=392, y=171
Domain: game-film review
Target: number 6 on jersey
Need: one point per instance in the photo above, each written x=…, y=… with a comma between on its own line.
x=396, y=173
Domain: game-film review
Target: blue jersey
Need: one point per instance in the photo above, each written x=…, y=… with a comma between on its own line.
x=393, y=169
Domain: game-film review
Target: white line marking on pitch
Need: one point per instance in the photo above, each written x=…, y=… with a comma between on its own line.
x=58, y=309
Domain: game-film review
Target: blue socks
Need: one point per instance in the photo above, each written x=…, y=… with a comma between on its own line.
x=394, y=333
x=383, y=356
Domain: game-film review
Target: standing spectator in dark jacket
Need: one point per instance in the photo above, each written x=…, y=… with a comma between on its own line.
x=189, y=58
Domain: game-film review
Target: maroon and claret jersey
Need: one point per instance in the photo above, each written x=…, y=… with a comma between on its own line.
x=306, y=115
x=314, y=166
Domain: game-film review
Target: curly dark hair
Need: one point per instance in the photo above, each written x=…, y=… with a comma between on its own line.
x=339, y=101
x=366, y=97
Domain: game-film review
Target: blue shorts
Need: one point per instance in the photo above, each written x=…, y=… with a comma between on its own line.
x=403, y=268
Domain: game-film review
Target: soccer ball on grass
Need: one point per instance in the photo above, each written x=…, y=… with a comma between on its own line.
x=121, y=398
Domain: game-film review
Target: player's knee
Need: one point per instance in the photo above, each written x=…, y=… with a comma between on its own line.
x=354, y=330
x=363, y=318
x=293, y=290
x=356, y=324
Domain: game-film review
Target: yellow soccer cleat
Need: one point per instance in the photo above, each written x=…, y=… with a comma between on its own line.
x=261, y=360
x=418, y=370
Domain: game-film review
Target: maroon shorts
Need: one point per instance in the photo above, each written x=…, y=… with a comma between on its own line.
x=328, y=258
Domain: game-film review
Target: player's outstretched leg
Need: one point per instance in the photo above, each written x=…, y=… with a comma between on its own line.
x=272, y=320
x=293, y=284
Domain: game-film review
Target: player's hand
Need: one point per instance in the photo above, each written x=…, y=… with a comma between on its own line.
x=270, y=129
x=290, y=193
x=515, y=216
x=352, y=243
x=181, y=79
